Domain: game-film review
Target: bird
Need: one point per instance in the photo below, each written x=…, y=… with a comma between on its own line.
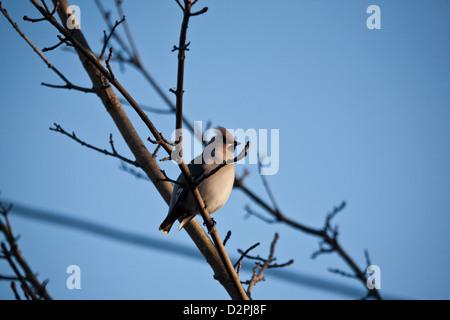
x=215, y=189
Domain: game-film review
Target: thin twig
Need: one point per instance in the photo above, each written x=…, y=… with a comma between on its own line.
x=267, y=187
x=9, y=278
x=202, y=11
x=69, y=86
x=59, y=129
x=14, y=289
x=149, y=108
x=244, y=253
x=342, y=273
x=106, y=16
x=61, y=41
x=227, y=237
x=128, y=32
x=108, y=65
x=133, y=172
x=107, y=38
x=180, y=5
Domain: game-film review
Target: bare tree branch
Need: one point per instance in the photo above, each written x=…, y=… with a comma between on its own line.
x=127, y=30
x=15, y=260
x=184, y=168
x=68, y=84
x=135, y=61
x=108, y=37
x=266, y=186
x=106, y=16
x=244, y=253
x=227, y=237
x=14, y=289
x=59, y=129
x=328, y=234
x=150, y=108
x=100, y=77
x=262, y=265
x=272, y=210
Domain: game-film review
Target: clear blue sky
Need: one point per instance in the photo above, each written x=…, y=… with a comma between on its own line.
x=363, y=117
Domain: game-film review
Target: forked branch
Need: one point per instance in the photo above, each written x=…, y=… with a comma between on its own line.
x=32, y=288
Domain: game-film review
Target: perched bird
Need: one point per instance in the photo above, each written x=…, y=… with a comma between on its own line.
x=214, y=190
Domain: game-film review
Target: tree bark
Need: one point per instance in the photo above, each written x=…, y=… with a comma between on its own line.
x=143, y=157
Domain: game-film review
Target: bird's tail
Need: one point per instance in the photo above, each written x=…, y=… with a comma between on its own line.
x=173, y=215
x=169, y=221
x=166, y=225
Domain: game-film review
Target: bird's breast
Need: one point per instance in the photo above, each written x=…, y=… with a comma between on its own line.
x=216, y=189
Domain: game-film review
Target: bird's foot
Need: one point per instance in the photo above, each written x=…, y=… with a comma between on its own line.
x=213, y=225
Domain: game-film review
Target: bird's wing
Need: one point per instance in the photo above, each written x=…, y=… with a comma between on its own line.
x=181, y=191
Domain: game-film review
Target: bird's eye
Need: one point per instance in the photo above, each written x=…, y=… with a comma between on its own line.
x=224, y=140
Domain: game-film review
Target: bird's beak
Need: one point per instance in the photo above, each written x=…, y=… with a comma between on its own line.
x=236, y=143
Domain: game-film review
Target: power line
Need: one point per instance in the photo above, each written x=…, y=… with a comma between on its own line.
x=179, y=249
